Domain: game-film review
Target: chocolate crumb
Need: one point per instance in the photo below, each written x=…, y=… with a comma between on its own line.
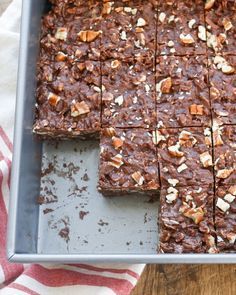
x=82, y=214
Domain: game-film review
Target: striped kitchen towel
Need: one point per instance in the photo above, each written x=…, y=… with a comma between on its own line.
x=32, y=279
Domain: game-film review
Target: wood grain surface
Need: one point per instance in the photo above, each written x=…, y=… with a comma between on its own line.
x=187, y=280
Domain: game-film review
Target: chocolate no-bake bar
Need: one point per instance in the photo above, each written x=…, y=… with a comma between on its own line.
x=185, y=157
x=182, y=91
x=222, y=76
x=225, y=218
x=221, y=26
x=186, y=220
x=128, y=96
x=181, y=27
x=68, y=97
x=224, y=141
x=128, y=30
x=128, y=162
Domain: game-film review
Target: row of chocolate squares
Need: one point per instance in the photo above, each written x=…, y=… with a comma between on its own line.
x=131, y=94
x=137, y=160
x=194, y=219
x=124, y=29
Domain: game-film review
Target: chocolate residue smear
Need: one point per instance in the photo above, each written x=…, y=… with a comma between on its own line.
x=145, y=218
x=85, y=177
x=64, y=233
x=47, y=210
x=48, y=170
x=102, y=223
x=82, y=214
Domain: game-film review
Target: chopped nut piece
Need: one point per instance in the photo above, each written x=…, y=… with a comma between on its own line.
x=173, y=182
x=222, y=205
x=117, y=142
x=157, y=137
x=79, y=108
x=174, y=150
x=116, y=161
x=196, y=109
x=53, y=99
x=202, y=33
x=141, y=22
x=119, y=100
x=182, y=168
x=224, y=173
x=138, y=178
x=206, y=159
x=209, y=4
x=107, y=7
x=115, y=64
x=196, y=214
x=186, y=39
x=171, y=197
x=162, y=17
x=187, y=139
x=232, y=190
x=109, y=131
x=227, y=69
x=231, y=237
x=123, y=36
x=88, y=36
x=191, y=23
x=60, y=56
x=165, y=85
x=229, y=198
x=61, y=34
x=214, y=92
x=227, y=24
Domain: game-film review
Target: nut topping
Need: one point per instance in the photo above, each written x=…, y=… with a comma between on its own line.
x=232, y=190
x=224, y=173
x=196, y=109
x=222, y=205
x=227, y=24
x=53, y=99
x=88, y=36
x=61, y=34
x=174, y=150
x=141, y=22
x=116, y=161
x=209, y=4
x=60, y=56
x=79, y=108
x=206, y=159
x=109, y=131
x=138, y=178
x=107, y=7
x=115, y=64
x=165, y=85
x=117, y=142
x=186, y=39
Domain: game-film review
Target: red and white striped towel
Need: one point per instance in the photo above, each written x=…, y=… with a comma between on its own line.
x=35, y=279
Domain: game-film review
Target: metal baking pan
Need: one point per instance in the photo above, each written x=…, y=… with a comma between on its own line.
x=77, y=224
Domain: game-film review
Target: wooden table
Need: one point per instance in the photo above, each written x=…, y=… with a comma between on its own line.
x=187, y=280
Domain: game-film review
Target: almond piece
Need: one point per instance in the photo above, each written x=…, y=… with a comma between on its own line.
x=53, y=99
x=227, y=69
x=206, y=159
x=61, y=34
x=209, y=4
x=60, y=56
x=157, y=137
x=141, y=22
x=79, y=108
x=229, y=198
x=227, y=24
x=196, y=214
x=196, y=109
x=138, y=178
x=174, y=151
x=214, y=92
x=119, y=100
x=116, y=161
x=88, y=36
x=222, y=205
x=115, y=64
x=107, y=7
x=202, y=35
x=231, y=237
x=173, y=181
x=186, y=39
x=182, y=168
x=162, y=17
x=117, y=142
x=165, y=85
x=224, y=173
x=232, y=190
x=109, y=131
x=171, y=197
